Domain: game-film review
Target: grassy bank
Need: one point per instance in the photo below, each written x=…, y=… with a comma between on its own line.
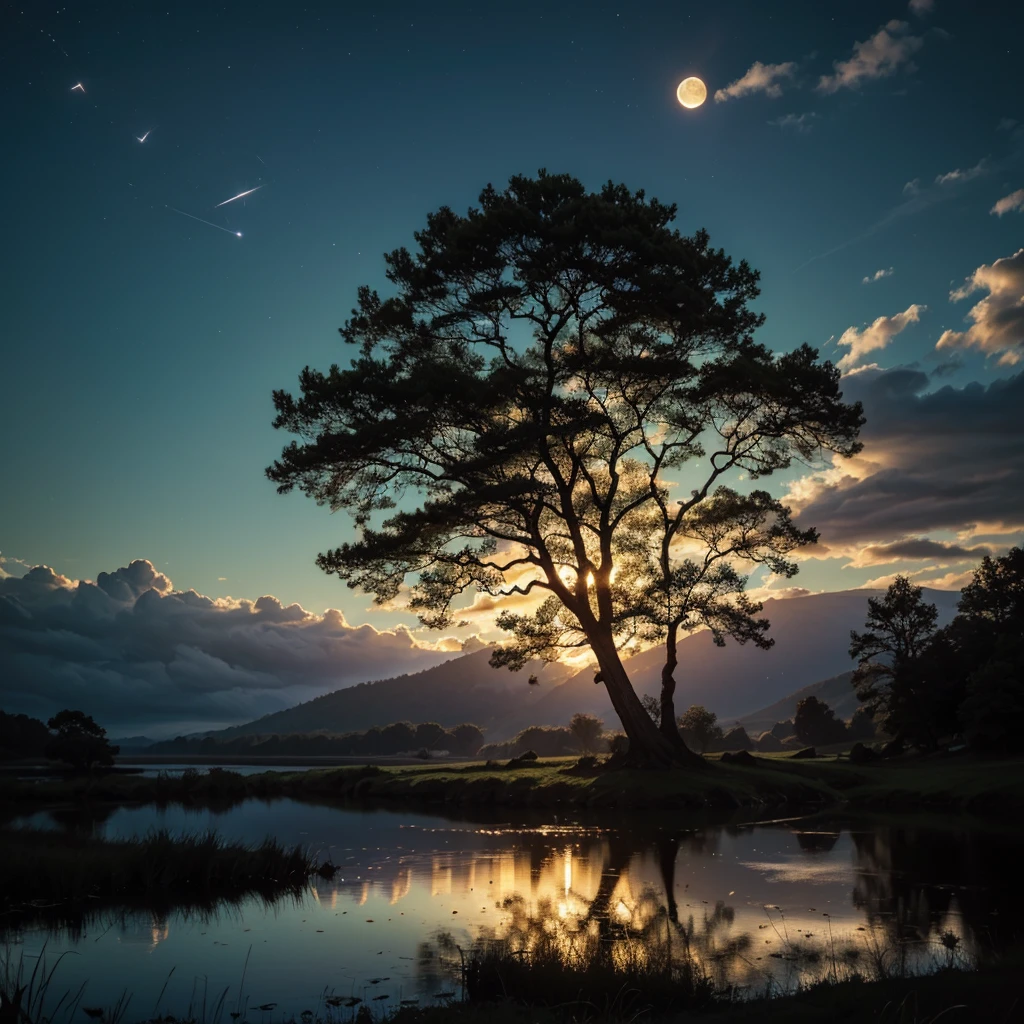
x=56, y=877
x=962, y=783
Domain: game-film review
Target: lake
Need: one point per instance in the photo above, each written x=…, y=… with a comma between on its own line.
x=784, y=900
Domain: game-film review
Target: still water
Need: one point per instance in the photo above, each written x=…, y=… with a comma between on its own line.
x=785, y=900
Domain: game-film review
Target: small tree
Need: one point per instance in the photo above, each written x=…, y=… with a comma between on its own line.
x=466, y=739
x=587, y=731
x=816, y=723
x=652, y=706
x=890, y=679
x=79, y=741
x=699, y=727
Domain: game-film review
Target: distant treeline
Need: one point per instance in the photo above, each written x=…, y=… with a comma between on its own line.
x=396, y=738
x=543, y=740
x=22, y=736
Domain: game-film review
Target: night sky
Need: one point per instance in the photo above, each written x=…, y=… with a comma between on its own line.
x=865, y=157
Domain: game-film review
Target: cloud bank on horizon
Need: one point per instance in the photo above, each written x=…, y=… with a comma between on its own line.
x=136, y=653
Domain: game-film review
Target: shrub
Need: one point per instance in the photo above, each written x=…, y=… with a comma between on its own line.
x=816, y=723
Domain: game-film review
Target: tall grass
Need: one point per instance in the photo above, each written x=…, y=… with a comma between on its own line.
x=55, y=878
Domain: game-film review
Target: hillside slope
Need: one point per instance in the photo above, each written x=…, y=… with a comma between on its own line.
x=837, y=693
x=812, y=639
x=464, y=689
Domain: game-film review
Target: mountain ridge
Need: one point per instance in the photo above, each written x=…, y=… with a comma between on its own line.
x=811, y=634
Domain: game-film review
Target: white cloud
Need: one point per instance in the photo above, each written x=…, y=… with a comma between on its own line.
x=800, y=123
x=140, y=655
x=878, y=275
x=912, y=187
x=959, y=176
x=878, y=57
x=921, y=7
x=766, y=78
x=876, y=336
x=1014, y=201
x=998, y=319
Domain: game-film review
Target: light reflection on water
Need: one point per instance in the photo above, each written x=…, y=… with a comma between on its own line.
x=786, y=900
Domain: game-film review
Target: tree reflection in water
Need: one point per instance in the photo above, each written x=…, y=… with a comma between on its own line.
x=929, y=898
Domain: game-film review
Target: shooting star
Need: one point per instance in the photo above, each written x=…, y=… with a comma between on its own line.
x=237, y=234
x=241, y=195
x=144, y=137
x=78, y=86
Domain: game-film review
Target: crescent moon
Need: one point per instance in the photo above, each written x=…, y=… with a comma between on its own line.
x=691, y=92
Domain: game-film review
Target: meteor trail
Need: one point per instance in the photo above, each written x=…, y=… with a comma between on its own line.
x=144, y=137
x=237, y=234
x=79, y=86
x=241, y=195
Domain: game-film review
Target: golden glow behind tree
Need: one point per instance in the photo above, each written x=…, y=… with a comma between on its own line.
x=517, y=412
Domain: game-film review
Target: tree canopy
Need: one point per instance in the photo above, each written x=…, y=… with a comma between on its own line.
x=79, y=741
x=547, y=405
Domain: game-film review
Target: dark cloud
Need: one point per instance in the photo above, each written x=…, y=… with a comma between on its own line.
x=143, y=657
x=945, y=460
x=919, y=549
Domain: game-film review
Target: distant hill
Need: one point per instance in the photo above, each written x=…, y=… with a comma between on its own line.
x=837, y=693
x=812, y=638
x=465, y=689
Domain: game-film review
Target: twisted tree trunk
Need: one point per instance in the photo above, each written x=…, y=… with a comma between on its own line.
x=648, y=745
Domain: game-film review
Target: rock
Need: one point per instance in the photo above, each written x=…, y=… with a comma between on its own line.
x=805, y=753
x=768, y=743
x=527, y=757
x=743, y=757
x=860, y=754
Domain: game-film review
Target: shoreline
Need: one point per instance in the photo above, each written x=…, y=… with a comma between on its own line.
x=956, y=783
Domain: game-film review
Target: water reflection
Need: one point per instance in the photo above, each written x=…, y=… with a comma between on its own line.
x=756, y=905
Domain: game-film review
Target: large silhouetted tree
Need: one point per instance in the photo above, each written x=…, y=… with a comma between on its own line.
x=547, y=404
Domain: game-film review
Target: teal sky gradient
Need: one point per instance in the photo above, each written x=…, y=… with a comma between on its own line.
x=141, y=348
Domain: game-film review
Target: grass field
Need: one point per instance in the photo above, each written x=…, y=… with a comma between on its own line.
x=960, y=783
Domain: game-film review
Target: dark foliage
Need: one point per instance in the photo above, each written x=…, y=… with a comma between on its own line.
x=926, y=686
x=700, y=728
x=396, y=738
x=815, y=723
x=79, y=742
x=587, y=730
x=861, y=726
x=22, y=736
x=545, y=740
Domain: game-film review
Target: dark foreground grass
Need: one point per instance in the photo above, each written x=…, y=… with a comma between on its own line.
x=950, y=996
x=56, y=878
x=959, y=783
